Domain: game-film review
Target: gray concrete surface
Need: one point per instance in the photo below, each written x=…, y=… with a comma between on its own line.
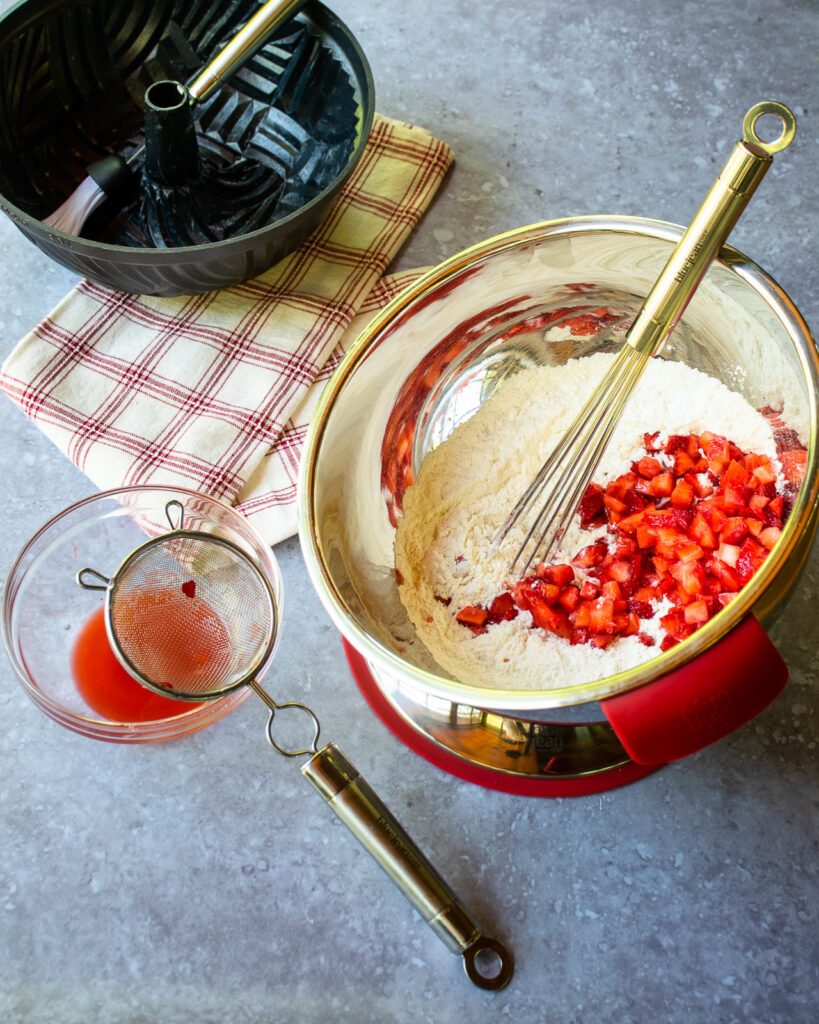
x=200, y=881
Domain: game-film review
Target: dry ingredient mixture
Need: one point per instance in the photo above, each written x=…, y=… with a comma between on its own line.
x=677, y=521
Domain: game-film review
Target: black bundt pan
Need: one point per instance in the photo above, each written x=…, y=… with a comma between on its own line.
x=66, y=69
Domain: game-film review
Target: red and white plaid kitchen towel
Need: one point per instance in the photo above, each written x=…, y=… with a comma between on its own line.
x=213, y=392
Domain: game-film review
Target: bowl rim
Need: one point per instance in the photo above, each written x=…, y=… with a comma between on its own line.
x=198, y=715
x=802, y=517
x=127, y=254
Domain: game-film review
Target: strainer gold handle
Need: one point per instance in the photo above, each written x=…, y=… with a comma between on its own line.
x=487, y=962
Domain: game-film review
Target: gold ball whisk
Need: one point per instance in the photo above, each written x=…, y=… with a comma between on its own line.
x=551, y=499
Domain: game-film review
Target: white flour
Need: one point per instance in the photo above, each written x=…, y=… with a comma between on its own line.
x=467, y=485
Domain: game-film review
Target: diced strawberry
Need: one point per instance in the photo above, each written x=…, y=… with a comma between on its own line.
x=769, y=537
x=716, y=517
x=589, y=589
x=633, y=522
x=590, y=556
x=648, y=467
x=581, y=617
x=624, y=548
x=634, y=502
x=701, y=484
x=473, y=616
x=674, y=624
x=601, y=614
x=661, y=517
x=690, y=576
x=696, y=613
x=620, y=487
x=770, y=518
x=751, y=556
x=662, y=565
x=662, y=485
x=735, y=474
x=735, y=530
x=560, y=575
x=777, y=507
x=696, y=550
x=549, y=592
x=717, y=450
x=690, y=552
x=503, y=608
x=622, y=572
x=591, y=506
x=445, y=601
x=733, y=498
x=615, y=507
x=757, y=504
x=668, y=540
x=701, y=532
x=724, y=573
x=569, y=598
x=676, y=442
x=683, y=463
x=764, y=474
x=641, y=608
x=626, y=623
x=728, y=553
x=683, y=495
x=550, y=619
x=646, y=536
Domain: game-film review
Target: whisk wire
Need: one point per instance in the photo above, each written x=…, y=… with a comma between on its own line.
x=597, y=434
x=591, y=431
x=555, y=460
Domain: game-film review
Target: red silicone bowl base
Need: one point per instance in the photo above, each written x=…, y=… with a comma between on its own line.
x=521, y=785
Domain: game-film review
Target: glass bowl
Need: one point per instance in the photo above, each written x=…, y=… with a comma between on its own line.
x=44, y=608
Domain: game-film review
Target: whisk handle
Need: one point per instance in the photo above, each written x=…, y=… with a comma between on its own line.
x=384, y=838
x=745, y=168
x=253, y=35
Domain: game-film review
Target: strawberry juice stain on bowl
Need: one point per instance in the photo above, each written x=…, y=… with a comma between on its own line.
x=174, y=636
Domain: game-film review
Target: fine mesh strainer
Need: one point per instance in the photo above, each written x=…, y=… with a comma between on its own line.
x=191, y=616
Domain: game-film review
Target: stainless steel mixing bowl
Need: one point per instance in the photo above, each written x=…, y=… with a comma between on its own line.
x=428, y=362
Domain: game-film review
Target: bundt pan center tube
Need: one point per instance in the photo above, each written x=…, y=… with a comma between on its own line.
x=287, y=130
